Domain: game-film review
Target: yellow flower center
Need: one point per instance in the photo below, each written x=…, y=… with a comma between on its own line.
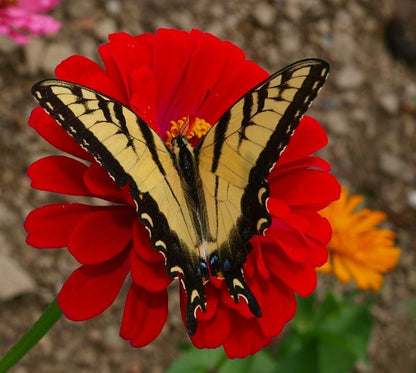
x=193, y=128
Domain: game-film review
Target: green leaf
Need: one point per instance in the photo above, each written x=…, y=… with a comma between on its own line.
x=304, y=359
x=352, y=326
x=305, y=314
x=260, y=362
x=198, y=361
x=215, y=361
x=326, y=337
x=332, y=359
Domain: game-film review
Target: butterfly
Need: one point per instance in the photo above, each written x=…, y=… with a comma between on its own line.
x=201, y=205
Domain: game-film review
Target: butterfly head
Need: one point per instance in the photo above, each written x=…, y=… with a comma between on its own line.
x=180, y=142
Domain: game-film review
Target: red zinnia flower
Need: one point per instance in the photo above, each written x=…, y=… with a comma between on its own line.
x=164, y=78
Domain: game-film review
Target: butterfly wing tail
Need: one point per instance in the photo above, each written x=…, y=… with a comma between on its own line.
x=238, y=288
x=195, y=298
x=230, y=268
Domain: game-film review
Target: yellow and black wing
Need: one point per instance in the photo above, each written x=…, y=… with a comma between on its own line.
x=133, y=153
x=233, y=161
x=235, y=158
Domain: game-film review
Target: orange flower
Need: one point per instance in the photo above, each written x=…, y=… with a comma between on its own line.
x=359, y=249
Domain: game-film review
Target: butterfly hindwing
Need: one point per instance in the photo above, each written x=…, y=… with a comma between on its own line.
x=236, y=156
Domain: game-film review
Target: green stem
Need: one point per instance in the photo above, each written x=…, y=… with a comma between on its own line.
x=49, y=317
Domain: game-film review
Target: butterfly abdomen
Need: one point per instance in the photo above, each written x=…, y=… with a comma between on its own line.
x=185, y=162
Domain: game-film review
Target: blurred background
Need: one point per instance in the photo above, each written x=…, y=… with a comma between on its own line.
x=368, y=108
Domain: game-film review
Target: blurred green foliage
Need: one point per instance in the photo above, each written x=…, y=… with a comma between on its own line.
x=326, y=336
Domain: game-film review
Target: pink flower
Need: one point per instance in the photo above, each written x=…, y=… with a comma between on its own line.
x=18, y=18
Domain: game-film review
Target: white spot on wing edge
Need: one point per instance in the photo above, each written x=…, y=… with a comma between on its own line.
x=49, y=105
x=176, y=269
x=260, y=222
x=147, y=218
x=38, y=96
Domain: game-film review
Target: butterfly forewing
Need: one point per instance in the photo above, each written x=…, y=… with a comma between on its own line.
x=237, y=154
x=132, y=153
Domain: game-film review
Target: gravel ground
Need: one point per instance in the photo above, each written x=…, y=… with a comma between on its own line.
x=365, y=107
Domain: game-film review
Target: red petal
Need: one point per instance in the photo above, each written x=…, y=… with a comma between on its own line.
x=107, y=86
x=142, y=246
x=83, y=71
x=319, y=227
x=105, y=52
x=297, y=248
x=317, y=253
x=278, y=306
x=278, y=207
x=290, y=242
x=212, y=298
x=306, y=162
x=150, y=276
x=91, y=289
x=213, y=332
x=77, y=69
x=147, y=42
x=144, y=316
x=50, y=226
x=59, y=174
x=52, y=132
x=307, y=139
x=126, y=54
x=203, y=68
x=245, y=338
x=100, y=184
x=128, y=199
x=143, y=96
x=102, y=234
x=171, y=50
x=299, y=276
x=257, y=260
x=312, y=188
x=297, y=221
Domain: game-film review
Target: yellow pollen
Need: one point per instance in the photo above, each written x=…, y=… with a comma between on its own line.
x=193, y=128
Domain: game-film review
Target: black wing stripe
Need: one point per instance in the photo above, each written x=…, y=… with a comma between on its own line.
x=262, y=94
x=220, y=131
x=148, y=136
x=103, y=106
